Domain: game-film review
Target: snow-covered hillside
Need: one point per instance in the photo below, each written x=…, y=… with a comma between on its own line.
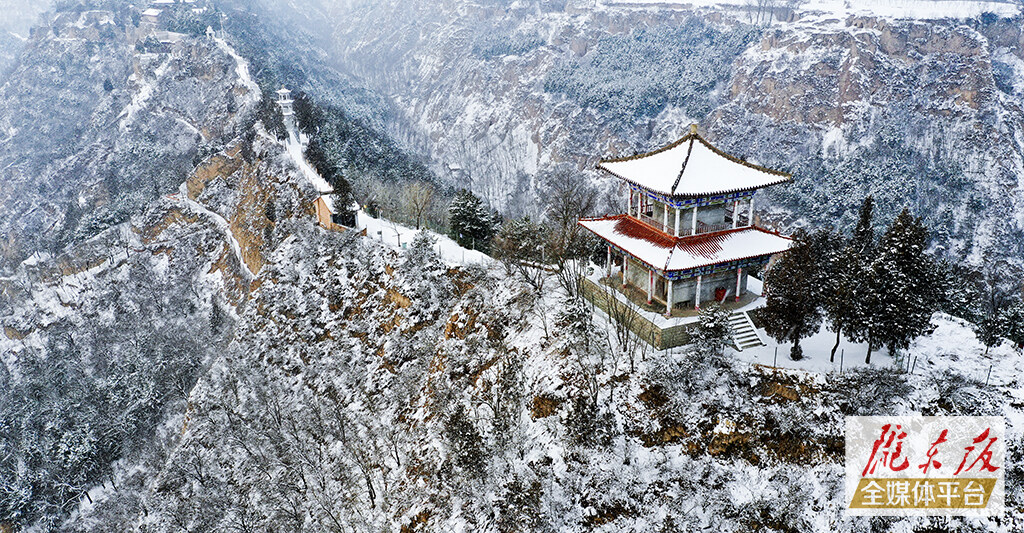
x=93, y=127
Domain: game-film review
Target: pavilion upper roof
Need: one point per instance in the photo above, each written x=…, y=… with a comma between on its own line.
x=667, y=253
x=691, y=167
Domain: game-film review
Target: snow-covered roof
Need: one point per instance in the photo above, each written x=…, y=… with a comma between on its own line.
x=666, y=253
x=152, y=12
x=691, y=167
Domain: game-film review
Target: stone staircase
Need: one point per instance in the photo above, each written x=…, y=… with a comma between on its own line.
x=744, y=335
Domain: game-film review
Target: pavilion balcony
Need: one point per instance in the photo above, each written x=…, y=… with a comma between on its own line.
x=711, y=228
x=683, y=309
x=656, y=224
x=686, y=229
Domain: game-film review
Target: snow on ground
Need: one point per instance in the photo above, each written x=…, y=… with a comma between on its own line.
x=142, y=95
x=816, y=353
x=390, y=233
x=951, y=346
x=399, y=236
x=221, y=223
x=913, y=9
x=296, y=152
x=241, y=68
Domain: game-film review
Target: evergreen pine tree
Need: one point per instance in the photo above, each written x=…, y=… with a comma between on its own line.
x=317, y=156
x=793, y=310
x=847, y=278
x=963, y=291
x=863, y=240
x=471, y=221
x=989, y=331
x=835, y=279
x=1011, y=322
x=906, y=286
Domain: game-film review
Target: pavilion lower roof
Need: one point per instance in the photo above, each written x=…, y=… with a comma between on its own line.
x=666, y=253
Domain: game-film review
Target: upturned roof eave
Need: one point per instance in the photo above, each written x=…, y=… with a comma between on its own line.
x=783, y=179
x=784, y=176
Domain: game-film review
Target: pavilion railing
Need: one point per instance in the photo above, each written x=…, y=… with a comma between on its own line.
x=656, y=223
x=711, y=228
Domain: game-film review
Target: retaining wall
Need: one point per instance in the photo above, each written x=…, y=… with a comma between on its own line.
x=657, y=337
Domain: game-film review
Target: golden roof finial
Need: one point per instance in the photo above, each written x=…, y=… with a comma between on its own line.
x=693, y=129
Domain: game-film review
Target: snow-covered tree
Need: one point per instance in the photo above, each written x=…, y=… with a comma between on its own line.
x=989, y=331
x=713, y=331
x=793, y=309
x=471, y=222
x=905, y=284
x=845, y=275
x=1011, y=323
x=569, y=196
x=521, y=245
x=423, y=276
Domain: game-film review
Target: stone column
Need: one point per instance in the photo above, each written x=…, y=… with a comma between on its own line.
x=739, y=282
x=735, y=213
x=650, y=286
x=668, y=299
x=677, y=221
x=625, y=268
x=696, y=295
x=664, y=219
x=609, y=263
x=750, y=221
x=694, y=229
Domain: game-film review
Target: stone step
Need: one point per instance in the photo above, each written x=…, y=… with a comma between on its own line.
x=744, y=334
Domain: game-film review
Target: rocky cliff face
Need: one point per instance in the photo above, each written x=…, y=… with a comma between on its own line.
x=93, y=127
x=923, y=113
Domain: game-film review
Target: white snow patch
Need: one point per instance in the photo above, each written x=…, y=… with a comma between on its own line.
x=902, y=9
x=294, y=148
x=142, y=96
x=399, y=236
x=817, y=349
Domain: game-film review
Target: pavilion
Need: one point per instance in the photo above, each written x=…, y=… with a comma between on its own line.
x=688, y=234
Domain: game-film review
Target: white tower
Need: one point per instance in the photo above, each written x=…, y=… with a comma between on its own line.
x=284, y=99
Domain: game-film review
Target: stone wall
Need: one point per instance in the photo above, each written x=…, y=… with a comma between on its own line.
x=657, y=337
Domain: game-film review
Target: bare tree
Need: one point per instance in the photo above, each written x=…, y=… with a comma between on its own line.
x=416, y=199
x=624, y=320
x=521, y=246
x=570, y=197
